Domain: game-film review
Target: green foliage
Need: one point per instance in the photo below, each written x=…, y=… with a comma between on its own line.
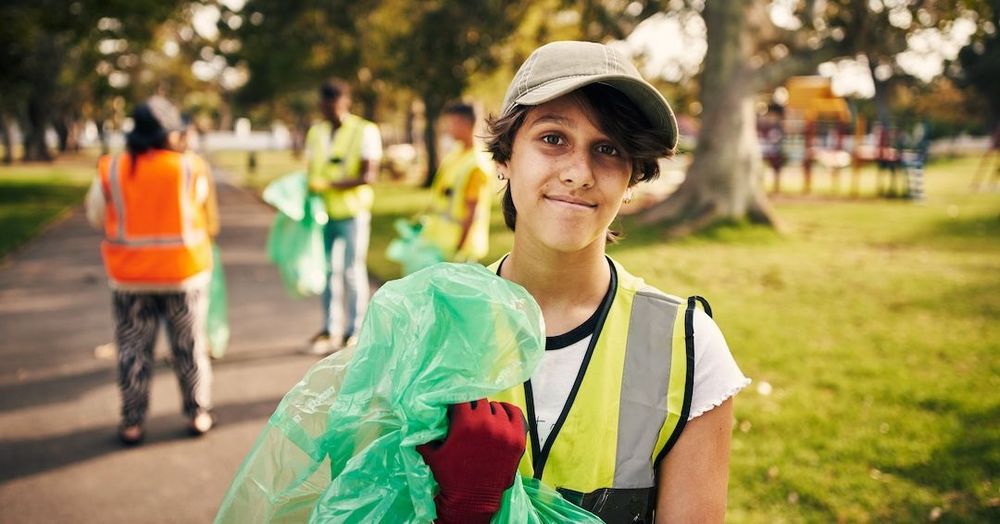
x=980, y=65
x=50, y=56
x=290, y=47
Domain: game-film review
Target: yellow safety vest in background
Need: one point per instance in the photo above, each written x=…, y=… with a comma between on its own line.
x=443, y=226
x=627, y=407
x=337, y=162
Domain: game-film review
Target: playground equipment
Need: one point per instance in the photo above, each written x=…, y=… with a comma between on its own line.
x=813, y=127
x=821, y=118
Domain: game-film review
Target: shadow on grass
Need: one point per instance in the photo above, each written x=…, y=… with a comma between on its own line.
x=960, y=468
x=966, y=233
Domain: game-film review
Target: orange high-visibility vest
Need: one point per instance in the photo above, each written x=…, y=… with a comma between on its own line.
x=155, y=231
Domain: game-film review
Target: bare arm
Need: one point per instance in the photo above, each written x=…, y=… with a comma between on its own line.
x=95, y=204
x=467, y=223
x=211, y=207
x=471, y=201
x=695, y=474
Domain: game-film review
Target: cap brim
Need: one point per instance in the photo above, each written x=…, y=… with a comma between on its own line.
x=649, y=101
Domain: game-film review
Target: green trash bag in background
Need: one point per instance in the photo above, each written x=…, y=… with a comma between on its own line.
x=217, y=322
x=410, y=249
x=295, y=242
x=340, y=447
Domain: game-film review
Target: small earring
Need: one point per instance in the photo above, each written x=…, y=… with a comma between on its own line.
x=628, y=197
x=500, y=177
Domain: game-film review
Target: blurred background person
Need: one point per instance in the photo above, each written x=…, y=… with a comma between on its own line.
x=156, y=207
x=344, y=151
x=458, y=219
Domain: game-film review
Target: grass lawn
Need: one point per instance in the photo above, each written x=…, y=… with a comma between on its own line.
x=33, y=195
x=870, y=330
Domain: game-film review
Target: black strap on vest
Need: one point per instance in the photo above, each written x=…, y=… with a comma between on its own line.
x=624, y=506
x=704, y=305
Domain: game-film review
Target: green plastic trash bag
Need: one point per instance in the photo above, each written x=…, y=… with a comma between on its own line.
x=295, y=242
x=217, y=321
x=341, y=445
x=410, y=249
x=289, y=194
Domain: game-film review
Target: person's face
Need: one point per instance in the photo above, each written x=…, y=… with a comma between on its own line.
x=567, y=178
x=336, y=108
x=457, y=127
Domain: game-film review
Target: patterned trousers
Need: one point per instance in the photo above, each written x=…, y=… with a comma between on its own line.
x=137, y=320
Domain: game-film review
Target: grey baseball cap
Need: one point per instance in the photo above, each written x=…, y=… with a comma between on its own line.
x=558, y=68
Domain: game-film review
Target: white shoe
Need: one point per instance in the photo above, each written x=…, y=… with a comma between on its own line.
x=320, y=344
x=201, y=423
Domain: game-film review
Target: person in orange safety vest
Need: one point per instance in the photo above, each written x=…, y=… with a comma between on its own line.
x=156, y=206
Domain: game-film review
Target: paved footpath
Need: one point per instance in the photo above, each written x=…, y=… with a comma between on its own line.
x=59, y=457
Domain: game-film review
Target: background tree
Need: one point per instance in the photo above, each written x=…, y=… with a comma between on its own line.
x=288, y=49
x=39, y=40
x=748, y=53
x=980, y=65
x=433, y=48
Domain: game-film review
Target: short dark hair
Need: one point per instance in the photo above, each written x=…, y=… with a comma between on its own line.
x=460, y=109
x=333, y=89
x=616, y=115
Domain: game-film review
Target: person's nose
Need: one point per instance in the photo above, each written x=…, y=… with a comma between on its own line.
x=579, y=170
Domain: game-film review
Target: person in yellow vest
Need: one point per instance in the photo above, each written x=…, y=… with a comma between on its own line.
x=155, y=205
x=458, y=219
x=630, y=412
x=343, y=152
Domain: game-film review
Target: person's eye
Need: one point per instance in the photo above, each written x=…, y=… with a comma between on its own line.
x=553, y=140
x=608, y=149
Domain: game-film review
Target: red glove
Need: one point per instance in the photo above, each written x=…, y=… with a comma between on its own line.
x=476, y=462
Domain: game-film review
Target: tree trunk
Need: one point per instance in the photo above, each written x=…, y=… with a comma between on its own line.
x=432, y=110
x=882, y=95
x=35, y=147
x=723, y=181
x=8, y=144
x=62, y=133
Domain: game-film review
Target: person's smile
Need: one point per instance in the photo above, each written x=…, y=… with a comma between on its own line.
x=570, y=203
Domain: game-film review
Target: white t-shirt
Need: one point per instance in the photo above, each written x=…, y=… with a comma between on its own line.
x=716, y=374
x=371, y=142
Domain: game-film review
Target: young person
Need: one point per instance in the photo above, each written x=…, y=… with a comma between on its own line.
x=630, y=412
x=156, y=207
x=344, y=151
x=458, y=219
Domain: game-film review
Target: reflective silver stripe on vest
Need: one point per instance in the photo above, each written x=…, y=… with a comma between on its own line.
x=646, y=377
x=188, y=236
x=116, y=197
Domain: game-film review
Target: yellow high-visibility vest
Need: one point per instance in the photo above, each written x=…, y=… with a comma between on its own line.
x=337, y=162
x=443, y=226
x=627, y=407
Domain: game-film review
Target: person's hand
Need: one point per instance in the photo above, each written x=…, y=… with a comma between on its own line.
x=477, y=461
